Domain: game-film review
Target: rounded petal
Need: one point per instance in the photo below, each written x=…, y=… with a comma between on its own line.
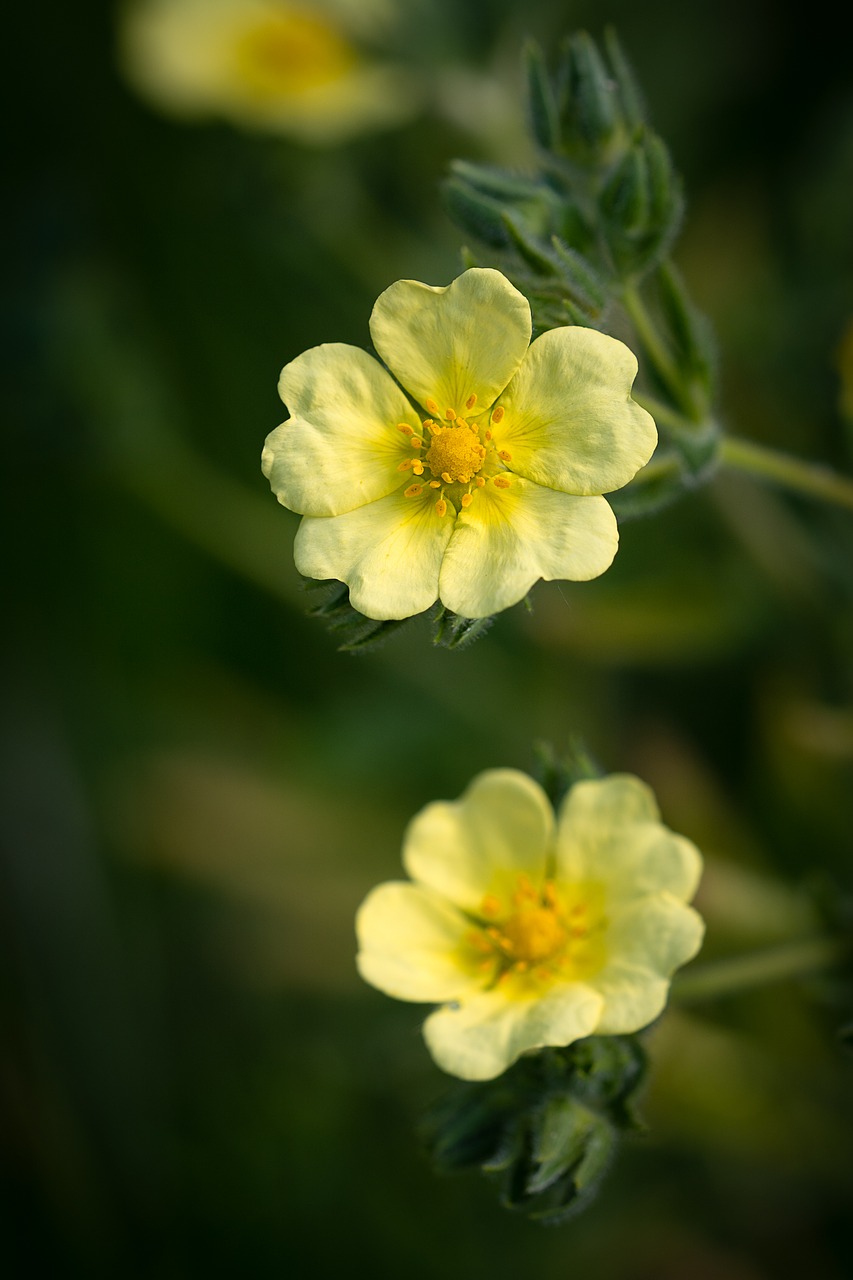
x=412, y=944
x=388, y=553
x=633, y=998
x=465, y=849
x=657, y=933
x=569, y=420
x=446, y=344
x=486, y=1033
x=341, y=448
x=510, y=538
x=608, y=831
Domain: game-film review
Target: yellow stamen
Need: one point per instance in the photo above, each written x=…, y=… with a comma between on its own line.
x=467, y=499
x=501, y=482
x=413, y=491
x=435, y=484
x=432, y=406
x=498, y=414
x=405, y=428
x=432, y=427
x=507, y=457
x=418, y=467
x=441, y=507
x=450, y=414
x=417, y=443
x=490, y=905
x=487, y=435
x=447, y=477
x=471, y=401
x=405, y=465
x=480, y=482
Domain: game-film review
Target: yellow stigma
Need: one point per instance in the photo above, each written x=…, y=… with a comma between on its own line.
x=290, y=53
x=455, y=454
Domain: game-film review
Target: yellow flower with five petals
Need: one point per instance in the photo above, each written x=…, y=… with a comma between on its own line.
x=473, y=471
x=296, y=68
x=531, y=930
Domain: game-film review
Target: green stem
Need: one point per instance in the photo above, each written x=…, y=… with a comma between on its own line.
x=758, y=968
x=792, y=473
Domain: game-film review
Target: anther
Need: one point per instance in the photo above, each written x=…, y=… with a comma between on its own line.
x=471, y=401
x=447, y=477
x=432, y=427
x=417, y=443
x=480, y=482
x=487, y=435
x=435, y=484
x=450, y=414
x=467, y=499
x=405, y=428
x=498, y=414
x=432, y=406
x=501, y=482
x=503, y=453
x=412, y=491
x=418, y=468
x=441, y=507
x=491, y=905
x=405, y=465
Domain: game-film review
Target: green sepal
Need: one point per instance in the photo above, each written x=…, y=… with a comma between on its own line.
x=475, y=213
x=452, y=631
x=586, y=284
x=356, y=633
x=641, y=205
x=689, y=331
x=546, y=1130
x=557, y=774
x=541, y=103
x=630, y=94
x=590, y=115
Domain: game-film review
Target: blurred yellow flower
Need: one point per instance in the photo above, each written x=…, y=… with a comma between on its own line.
x=297, y=69
x=530, y=930
x=486, y=480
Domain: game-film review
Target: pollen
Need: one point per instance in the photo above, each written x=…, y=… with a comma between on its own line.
x=498, y=414
x=433, y=408
x=441, y=507
x=455, y=454
x=405, y=428
x=471, y=401
x=501, y=482
x=413, y=491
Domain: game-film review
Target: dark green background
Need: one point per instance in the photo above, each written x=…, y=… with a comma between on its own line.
x=199, y=790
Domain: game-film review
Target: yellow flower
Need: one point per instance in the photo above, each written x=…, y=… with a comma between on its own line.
x=267, y=64
x=530, y=930
x=485, y=478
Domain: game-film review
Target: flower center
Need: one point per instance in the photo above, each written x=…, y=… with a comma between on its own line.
x=534, y=934
x=543, y=934
x=291, y=53
x=455, y=454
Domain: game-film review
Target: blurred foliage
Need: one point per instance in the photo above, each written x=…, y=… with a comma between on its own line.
x=198, y=789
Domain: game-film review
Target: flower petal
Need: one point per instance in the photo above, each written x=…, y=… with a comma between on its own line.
x=633, y=997
x=412, y=944
x=465, y=849
x=656, y=933
x=608, y=831
x=486, y=1033
x=389, y=553
x=448, y=343
x=510, y=538
x=569, y=420
x=341, y=448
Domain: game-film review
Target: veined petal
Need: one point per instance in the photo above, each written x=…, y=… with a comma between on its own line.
x=608, y=831
x=448, y=343
x=341, y=448
x=633, y=997
x=656, y=933
x=569, y=421
x=465, y=849
x=510, y=538
x=388, y=553
x=412, y=944
x=486, y=1033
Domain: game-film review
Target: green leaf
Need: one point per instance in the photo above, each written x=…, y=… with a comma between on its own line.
x=542, y=105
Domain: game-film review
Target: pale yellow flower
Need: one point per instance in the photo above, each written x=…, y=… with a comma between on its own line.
x=532, y=930
x=293, y=68
x=481, y=480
